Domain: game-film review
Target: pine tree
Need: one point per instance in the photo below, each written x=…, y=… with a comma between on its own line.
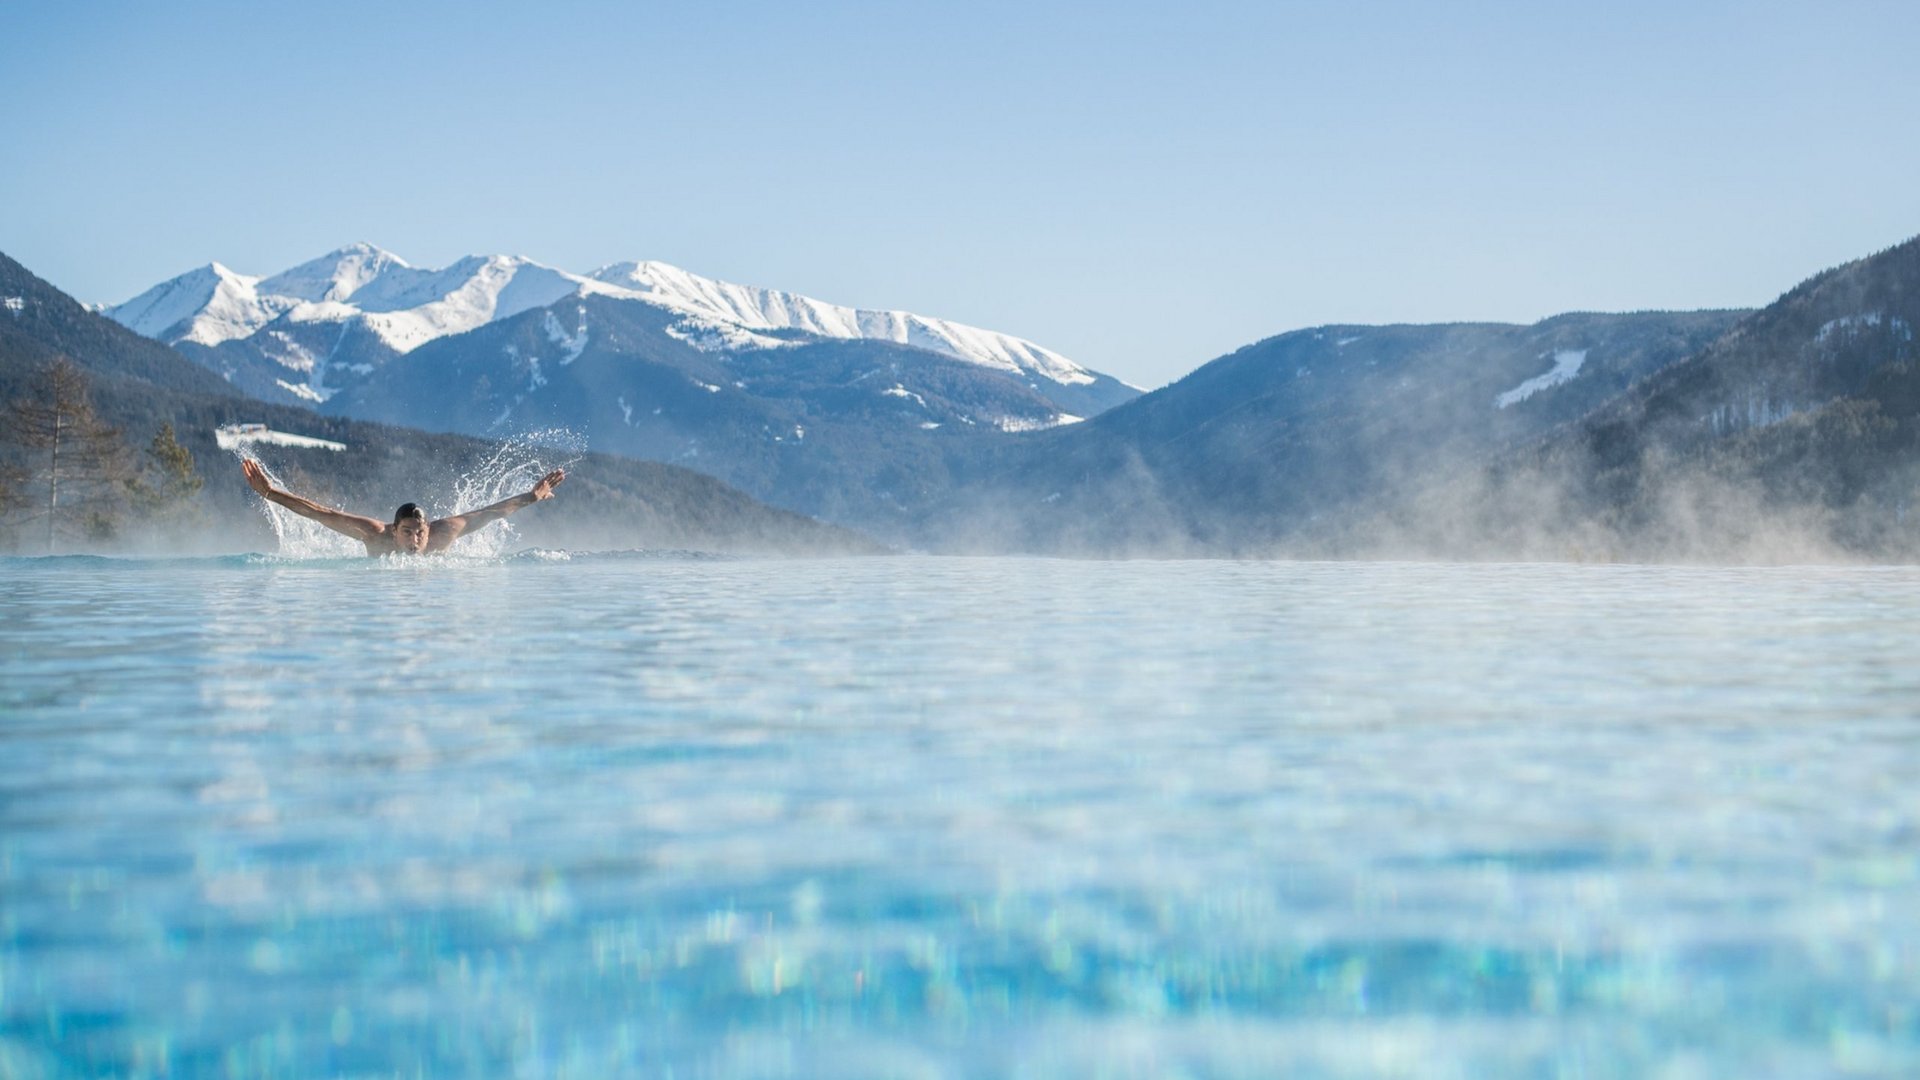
x=78, y=475
x=168, y=477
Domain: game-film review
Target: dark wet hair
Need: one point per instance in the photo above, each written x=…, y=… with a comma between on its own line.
x=409, y=510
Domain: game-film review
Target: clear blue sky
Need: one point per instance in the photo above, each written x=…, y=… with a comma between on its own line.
x=1140, y=186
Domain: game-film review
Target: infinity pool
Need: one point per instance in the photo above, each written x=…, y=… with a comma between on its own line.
x=611, y=815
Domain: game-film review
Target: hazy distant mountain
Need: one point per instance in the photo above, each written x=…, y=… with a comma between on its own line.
x=1279, y=440
x=138, y=384
x=309, y=332
x=1798, y=429
x=1819, y=343
x=1785, y=434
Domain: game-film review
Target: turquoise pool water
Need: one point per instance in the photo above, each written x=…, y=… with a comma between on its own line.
x=627, y=815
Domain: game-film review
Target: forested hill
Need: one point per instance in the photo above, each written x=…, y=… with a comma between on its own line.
x=39, y=322
x=138, y=385
x=1796, y=433
x=1783, y=434
x=1273, y=447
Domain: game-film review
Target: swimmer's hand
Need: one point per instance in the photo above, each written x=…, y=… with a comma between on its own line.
x=544, y=489
x=256, y=476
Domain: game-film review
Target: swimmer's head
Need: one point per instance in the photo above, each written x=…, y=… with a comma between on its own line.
x=410, y=528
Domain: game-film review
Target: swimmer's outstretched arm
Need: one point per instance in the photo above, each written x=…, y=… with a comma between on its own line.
x=447, y=530
x=360, y=528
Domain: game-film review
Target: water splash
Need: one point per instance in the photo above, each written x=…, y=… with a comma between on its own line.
x=296, y=537
x=514, y=466
x=543, y=555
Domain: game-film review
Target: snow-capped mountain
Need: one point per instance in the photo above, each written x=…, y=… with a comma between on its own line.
x=404, y=306
x=307, y=332
x=753, y=308
x=205, y=306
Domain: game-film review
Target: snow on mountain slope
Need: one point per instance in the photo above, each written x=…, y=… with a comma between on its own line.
x=1566, y=364
x=209, y=305
x=406, y=307
x=336, y=275
x=470, y=293
x=754, y=308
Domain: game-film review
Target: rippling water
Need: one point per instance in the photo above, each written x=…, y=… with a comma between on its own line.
x=677, y=816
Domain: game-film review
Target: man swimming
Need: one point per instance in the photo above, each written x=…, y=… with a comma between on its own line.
x=410, y=533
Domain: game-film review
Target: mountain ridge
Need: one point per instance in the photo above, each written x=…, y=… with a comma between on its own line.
x=1264, y=447
x=1640, y=435
x=271, y=335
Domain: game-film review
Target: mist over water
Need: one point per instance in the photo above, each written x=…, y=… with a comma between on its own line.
x=562, y=815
